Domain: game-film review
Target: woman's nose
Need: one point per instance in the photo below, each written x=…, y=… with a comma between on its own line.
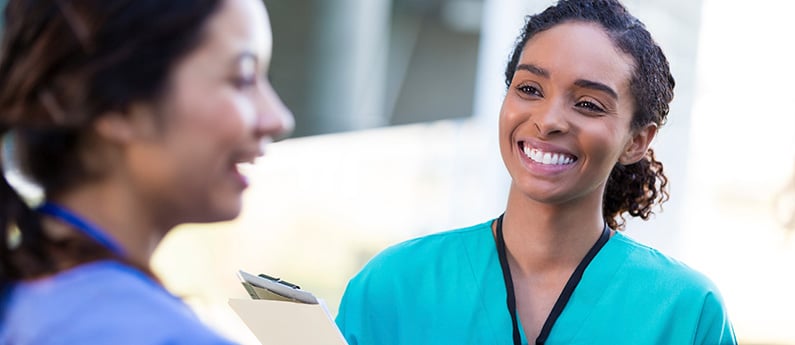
x=274, y=119
x=550, y=120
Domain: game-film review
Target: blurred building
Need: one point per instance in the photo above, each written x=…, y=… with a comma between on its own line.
x=354, y=64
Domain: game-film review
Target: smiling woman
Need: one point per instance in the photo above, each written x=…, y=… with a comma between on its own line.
x=133, y=117
x=588, y=89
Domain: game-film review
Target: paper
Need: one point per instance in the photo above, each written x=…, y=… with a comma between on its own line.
x=287, y=323
x=257, y=292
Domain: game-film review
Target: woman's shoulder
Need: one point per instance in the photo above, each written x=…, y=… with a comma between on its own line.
x=425, y=256
x=644, y=262
x=650, y=282
x=99, y=300
x=433, y=245
x=403, y=281
x=105, y=281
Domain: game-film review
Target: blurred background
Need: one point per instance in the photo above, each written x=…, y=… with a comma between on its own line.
x=396, y=104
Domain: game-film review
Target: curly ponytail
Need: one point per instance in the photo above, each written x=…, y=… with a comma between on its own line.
x=634, y=189
x=23, y=253
x=26, y=251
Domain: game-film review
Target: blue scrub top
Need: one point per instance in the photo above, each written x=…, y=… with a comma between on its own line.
x=447, y=288
x=103, y=302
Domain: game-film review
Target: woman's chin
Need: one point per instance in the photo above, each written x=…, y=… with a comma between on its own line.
x=220, y=213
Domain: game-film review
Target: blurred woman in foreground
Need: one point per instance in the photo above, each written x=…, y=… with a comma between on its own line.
x=133, y=117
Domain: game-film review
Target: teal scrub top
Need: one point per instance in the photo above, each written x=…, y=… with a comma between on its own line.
x=448, y=288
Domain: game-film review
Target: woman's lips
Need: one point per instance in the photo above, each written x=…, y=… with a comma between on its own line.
x=242, y=179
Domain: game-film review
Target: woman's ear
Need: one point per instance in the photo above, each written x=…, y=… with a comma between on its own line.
x=636, y=148
x=114, y=127
x=123, y=127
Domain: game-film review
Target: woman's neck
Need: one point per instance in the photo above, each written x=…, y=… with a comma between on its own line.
x=542, y=238
x=118, y=215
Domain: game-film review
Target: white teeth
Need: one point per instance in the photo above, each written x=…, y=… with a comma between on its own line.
x=245, y=167
x=547, y=157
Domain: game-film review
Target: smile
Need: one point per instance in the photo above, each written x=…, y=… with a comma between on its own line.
x=547, y=158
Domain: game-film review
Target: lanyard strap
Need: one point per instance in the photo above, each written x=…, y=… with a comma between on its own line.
x=565, y=295
x=87, y=228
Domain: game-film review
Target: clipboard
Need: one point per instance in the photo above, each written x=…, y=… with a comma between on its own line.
x=264, y=286
x=285, y=316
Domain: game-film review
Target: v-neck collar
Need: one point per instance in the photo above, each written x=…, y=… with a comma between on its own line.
x=595, y=280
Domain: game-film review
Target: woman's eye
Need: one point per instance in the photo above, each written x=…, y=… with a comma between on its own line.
x=246, y=75
x=590, y=106
x=245, y=82
x=529, y=90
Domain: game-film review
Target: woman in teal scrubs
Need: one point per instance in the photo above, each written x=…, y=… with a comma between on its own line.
x=587, y=90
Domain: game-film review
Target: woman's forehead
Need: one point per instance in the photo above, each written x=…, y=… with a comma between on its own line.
x=578, y=49
x=241, y=26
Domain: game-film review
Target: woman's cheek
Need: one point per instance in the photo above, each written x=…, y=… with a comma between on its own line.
x=244, y=109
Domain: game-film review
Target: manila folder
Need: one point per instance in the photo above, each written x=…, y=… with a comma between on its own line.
x=287, y=323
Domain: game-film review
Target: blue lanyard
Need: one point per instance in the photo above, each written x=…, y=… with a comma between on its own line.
x=77, y=222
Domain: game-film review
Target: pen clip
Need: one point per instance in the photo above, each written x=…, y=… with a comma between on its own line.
x=277, y=280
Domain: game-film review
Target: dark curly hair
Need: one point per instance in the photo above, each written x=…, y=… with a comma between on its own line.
x=63, y=64
x=636, y=188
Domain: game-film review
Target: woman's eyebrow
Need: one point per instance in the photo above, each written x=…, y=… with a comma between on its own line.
x=533, y=69
x=589, y=84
